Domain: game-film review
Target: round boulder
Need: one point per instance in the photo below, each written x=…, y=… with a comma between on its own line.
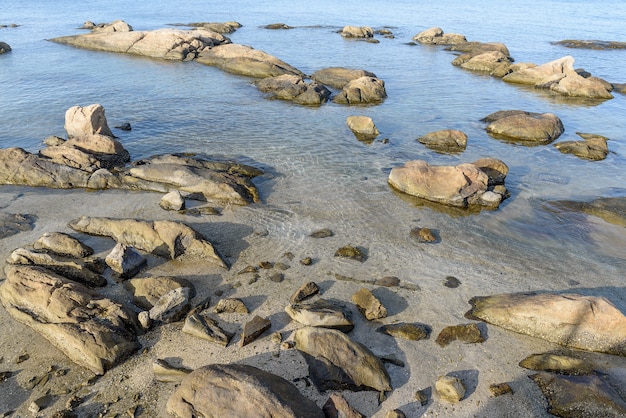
x=524, y=127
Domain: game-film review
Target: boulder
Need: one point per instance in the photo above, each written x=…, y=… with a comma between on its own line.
x=238, y=391
x=147, y=291
x=435, y=36
x=357, y=32
x=163, y=238
x=4, y=48
x=524, y=127
x=321, y=313
x=219, y=27
x=245, y=60
x=362, y=127
x=125, y=261
x=72, y=157
x=173, y=200
x=92, y=331
x=338, y=77
x=62, y=244
x=363, y=90
x=594, y=148
x=335, y=361
x=171, y=307
x=583, y=322
x=83, y=122
x=487, y=62
x=369, y=305
x=294, y=88
x=169, y=44
x=445, y=140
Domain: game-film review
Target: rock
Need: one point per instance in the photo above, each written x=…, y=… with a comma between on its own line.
x=492, y=62
x=245, y=60
x=72, y=157
x=408, y=331
x=580, y=396
x=468, y=333
x=322, y=233
x=452, y=282
x=304, y=292
x=556, y=363
x=306, y=261
x=216, y=390
x=115, y=26
x=125, y=261
x=525, y=127
x=62, y=244
x=422, y=396
x=450, y=389
x=253, y=329
x=387, y=281
x=335, y=361
x=76, y=270
x=499, y=389
x=591, y=44
x=362, y=127
x=206, y=328
x=94, y=332
x=478, y=48
x=435, y=36
x=84, y=122
x=338, y=77
x=172, y=201
x=41, y=403
x=219, y=27
x=592, y=148
x=619, y=87
x=147, y=291
x=124, y=127
x=293, y=87
x=610, y=209
x=584, y=322
x=369, y=305
x=165, y=372
x=163, y=238
x=357, y=32
x=169, y=44
x=396, y=413
x=231, y=305
x=363, y=90
x=337, y=407
x=277, y=26
x=14, y=223
x=171, y=307
x=422, y=235
x=4, y=48
x=445, y=140
x=321, y=313
x=353, y=253
x=496, y=170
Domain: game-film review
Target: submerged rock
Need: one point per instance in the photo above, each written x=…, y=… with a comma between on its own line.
x=591, y=44
x=610, y=209
x=592, y=147
x=445, y=140
x=557, y=363
x=357, y=32
x=525, y=127
x=216, y=390
x=353, y=253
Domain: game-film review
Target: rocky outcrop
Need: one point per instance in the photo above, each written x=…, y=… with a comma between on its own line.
x=338, y=77
x=592, y=147
x=237, y=390
x=436, y=36
x=462, y=185
x=445, y=140
x=245, y=60
x=92, y=331
x=162, y=238
x=62, y=244
x=219, y=27
x=363, y=90
x=294, y=88
x=524, y=127
x=583, y=322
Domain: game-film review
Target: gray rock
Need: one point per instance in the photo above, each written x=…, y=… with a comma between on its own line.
x=253, y=329
x=369, y=305
x=450, y=389
x=171, y=307
x=62, y=244
x=206, y=328
x=172, y=201
x=321, y=313
x=216, y=390
x=363, y=90
x=125, y=261
x=338, y=77
x=524, y=127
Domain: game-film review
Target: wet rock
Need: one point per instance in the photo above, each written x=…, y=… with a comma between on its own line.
x=275, y=26
x=321, y=313
x=92, y=331
x=63, y=245
x=499, y=389
x=338, y=407
x=216, y=390
x=353, y=253
x=436, y=36
x=445, y=140
x=364, y=90
x=171, y=307
x=4, y=48
x=219, y=27
x=304, y=292
x=496, y=170
x=253, y=329
x=338, y=77
x=165, y=372
x=147, y=291
x=231, y=305
x=206, y=328
x=369, y=305
x=294, y=88
x=422, y=235
x=408, y=331
x=335, y=361
x=452, y=282
x=580, y=396
x=245, y=60
x=555, y=363
x=357, y=32
x=584, y=322
x=172, y=201
x=11, y=224
x=610, y=209
x=450, y=389
x=322, y=233
x=76, y=270
x=524, y=127
x=591, y=44
x=125, y=261
x=163, y=238
x=468, y=333
x=362, y=127
x=592, y=147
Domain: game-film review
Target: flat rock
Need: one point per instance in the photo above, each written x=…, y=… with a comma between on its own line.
x=468, y=333
x=591, y=44
x=253, y=329
x=592, y=147
x=336, y=361
x=165, y=372
x=610, y=209
x=321, y=313
x=407, y=331
x=363, y=90
x=584, y=322
x=163, y=238
x=338, y=77
x=216, y=391
x=62, y=244
x=369, y=305
x=92, y=331
x=445, y=140
x=207, y=328
x=147, y=291
x=524, y=127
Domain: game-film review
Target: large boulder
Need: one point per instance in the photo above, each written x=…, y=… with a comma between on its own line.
x=462, y=185
x=245, y=60
x=436, y=36
x=163, y=238
x=524, y=127
x=239, y=391
x=294, y=88
x=338, y=77
x=92, y=331
x=583, y=322
x=363, y=90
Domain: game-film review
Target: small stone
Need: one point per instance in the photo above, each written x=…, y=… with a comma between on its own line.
x=422, y=396
x=172, y=201
x=254, y=279
x=289, y=255
x=452, y=282
x=413, y=332
x=499, y=389
x=304, y=292
x=253, y=329
x=306, y=261
x=21, y=358
x=352, y=253
x=450, y=389
x=281, y=266
x=277, y=277
x=277, y=338
x=5, y=375
x=322, y=233
x=249, y=269
x=369, y=305
x=423, y=235
x=396, y=413
x=231, y=305
x=266, y=265
x=468, y=333
x=40, y=403
x=124, y=127
x=388, y=281
x=287, y=345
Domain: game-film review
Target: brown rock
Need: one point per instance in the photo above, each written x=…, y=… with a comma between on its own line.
x=369, y=305
x=62, y=244
x=337, y=407
x=338, y=77
x=468, y=333
x=253, y=329
x=304, y=292
x=450, y=389
x=231, y=305
x=445, y=140
x=499, y=389
x=147, y=291
x=408, y=331
x=525, y=127
x=436, y=36
x=321, y=313
x=362, y=91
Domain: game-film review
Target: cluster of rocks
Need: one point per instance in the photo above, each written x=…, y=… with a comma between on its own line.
x=558, y=76
x=93, y=158
x=207, y=45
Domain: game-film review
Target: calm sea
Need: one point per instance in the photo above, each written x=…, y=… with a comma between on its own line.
x=321, y=176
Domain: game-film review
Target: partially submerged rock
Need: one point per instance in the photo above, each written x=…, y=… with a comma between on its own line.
x=524, y=127
x=584, y=322
x=294, y=88
x=445, y=140
x=216, y=390
x=362, y=127
x=163, y=238
x=363, y=90
x=357, y=32
x=591, y=44
x=592, y=147
x=4, y=48
x=610, y=209
x=92, y=331
x=321, y=313
x=436, y=36
x=338, y=77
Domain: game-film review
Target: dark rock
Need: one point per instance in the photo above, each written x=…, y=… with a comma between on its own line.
x=206, y=328
x=277, y=26
x=499, y=389
x=124, y=127
x=304, y=292
x=408, y=331
x=422, y=396
x=452, y=282
x=4, y=48
x=610, y=209
x=591, y=44
x=468, y=333
x=253, y=329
